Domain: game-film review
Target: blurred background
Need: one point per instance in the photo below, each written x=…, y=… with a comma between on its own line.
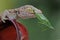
x=50, y=8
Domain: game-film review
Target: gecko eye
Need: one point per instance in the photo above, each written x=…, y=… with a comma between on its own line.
x=29, y=10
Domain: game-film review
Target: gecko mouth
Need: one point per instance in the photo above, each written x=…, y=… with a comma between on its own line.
x=5, y=25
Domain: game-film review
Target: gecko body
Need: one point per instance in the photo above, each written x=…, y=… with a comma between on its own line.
x=24, y=12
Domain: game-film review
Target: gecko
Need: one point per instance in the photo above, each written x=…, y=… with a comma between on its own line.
x=24, y=12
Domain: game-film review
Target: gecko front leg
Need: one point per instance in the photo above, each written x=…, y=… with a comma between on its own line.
x=3, y=15
x=7, y=14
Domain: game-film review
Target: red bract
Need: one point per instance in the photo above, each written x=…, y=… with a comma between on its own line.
x=9, y=33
